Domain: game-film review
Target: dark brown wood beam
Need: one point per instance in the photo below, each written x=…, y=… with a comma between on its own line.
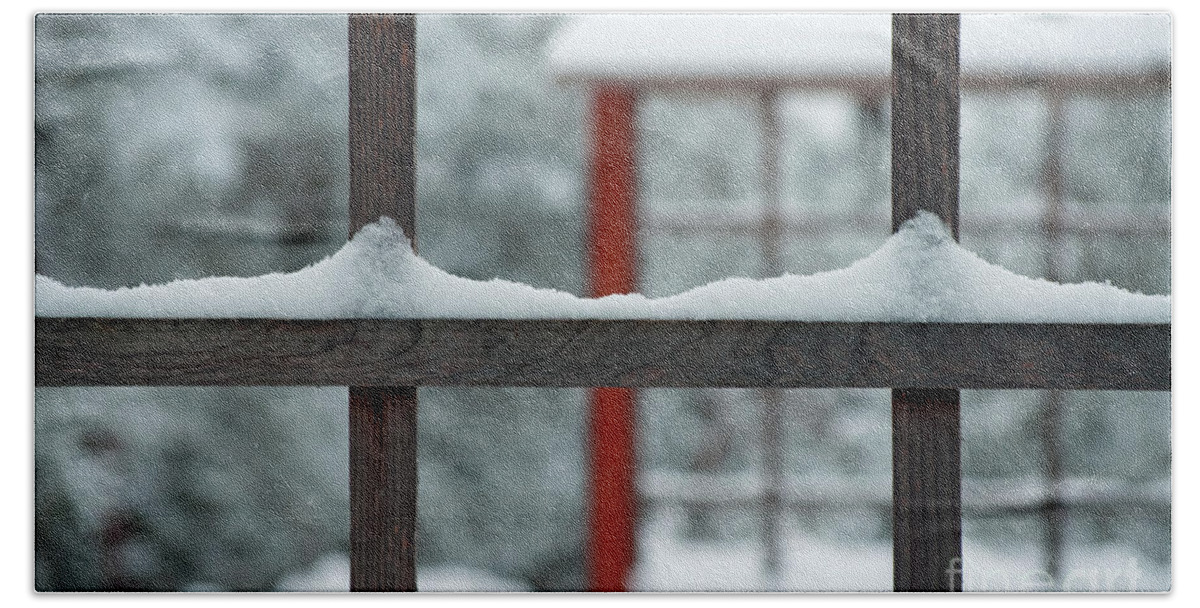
x=925, y=111
x=565, y=353
x=926, y=465
x=383, y=416
x=383, y=488
x=926, y=490
x=383, y=105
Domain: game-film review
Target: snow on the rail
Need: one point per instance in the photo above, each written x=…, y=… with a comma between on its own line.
x=919, y=274
x=848, y=45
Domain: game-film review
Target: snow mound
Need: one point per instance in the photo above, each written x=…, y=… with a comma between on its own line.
x=919, y=274
x=331, y=574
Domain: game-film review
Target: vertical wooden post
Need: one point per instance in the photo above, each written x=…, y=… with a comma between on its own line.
x=1053, y=512
x=771, y=243
x=926, y=468
x=383, y=419
x=771, y=225
x=612, y=268
x=925, y=117
x=926, y=495
x=772, y=497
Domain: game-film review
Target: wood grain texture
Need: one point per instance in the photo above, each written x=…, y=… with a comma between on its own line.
x=926, y=459
x=580, y=353
x=383, y=98
x=383, y=417
x=925, y=112
x=383, y=488
x=926, y=490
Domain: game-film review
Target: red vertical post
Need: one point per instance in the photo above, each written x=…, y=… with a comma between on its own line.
x=611, y=269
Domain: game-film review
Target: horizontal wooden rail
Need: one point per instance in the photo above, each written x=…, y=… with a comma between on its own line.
x=633, y=353
x=878, y=85
x=749, y=222
x=982, y=497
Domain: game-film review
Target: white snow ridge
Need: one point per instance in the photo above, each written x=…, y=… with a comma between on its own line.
x=919, y=274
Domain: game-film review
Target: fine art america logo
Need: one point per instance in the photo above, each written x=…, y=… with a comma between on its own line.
x=1097, y=579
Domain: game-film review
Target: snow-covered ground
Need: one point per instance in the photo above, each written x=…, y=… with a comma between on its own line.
x=827, y=562
x=811, y=562
x=331, y=573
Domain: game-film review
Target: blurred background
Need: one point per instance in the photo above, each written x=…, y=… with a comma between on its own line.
x=187, y=146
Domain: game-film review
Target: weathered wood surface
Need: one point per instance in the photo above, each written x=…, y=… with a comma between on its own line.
x=383, y=417
x=925, y=112
x=383, y=488
x=926, y=490
x=926, y=463
x=382, y=120
x=565, y=353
